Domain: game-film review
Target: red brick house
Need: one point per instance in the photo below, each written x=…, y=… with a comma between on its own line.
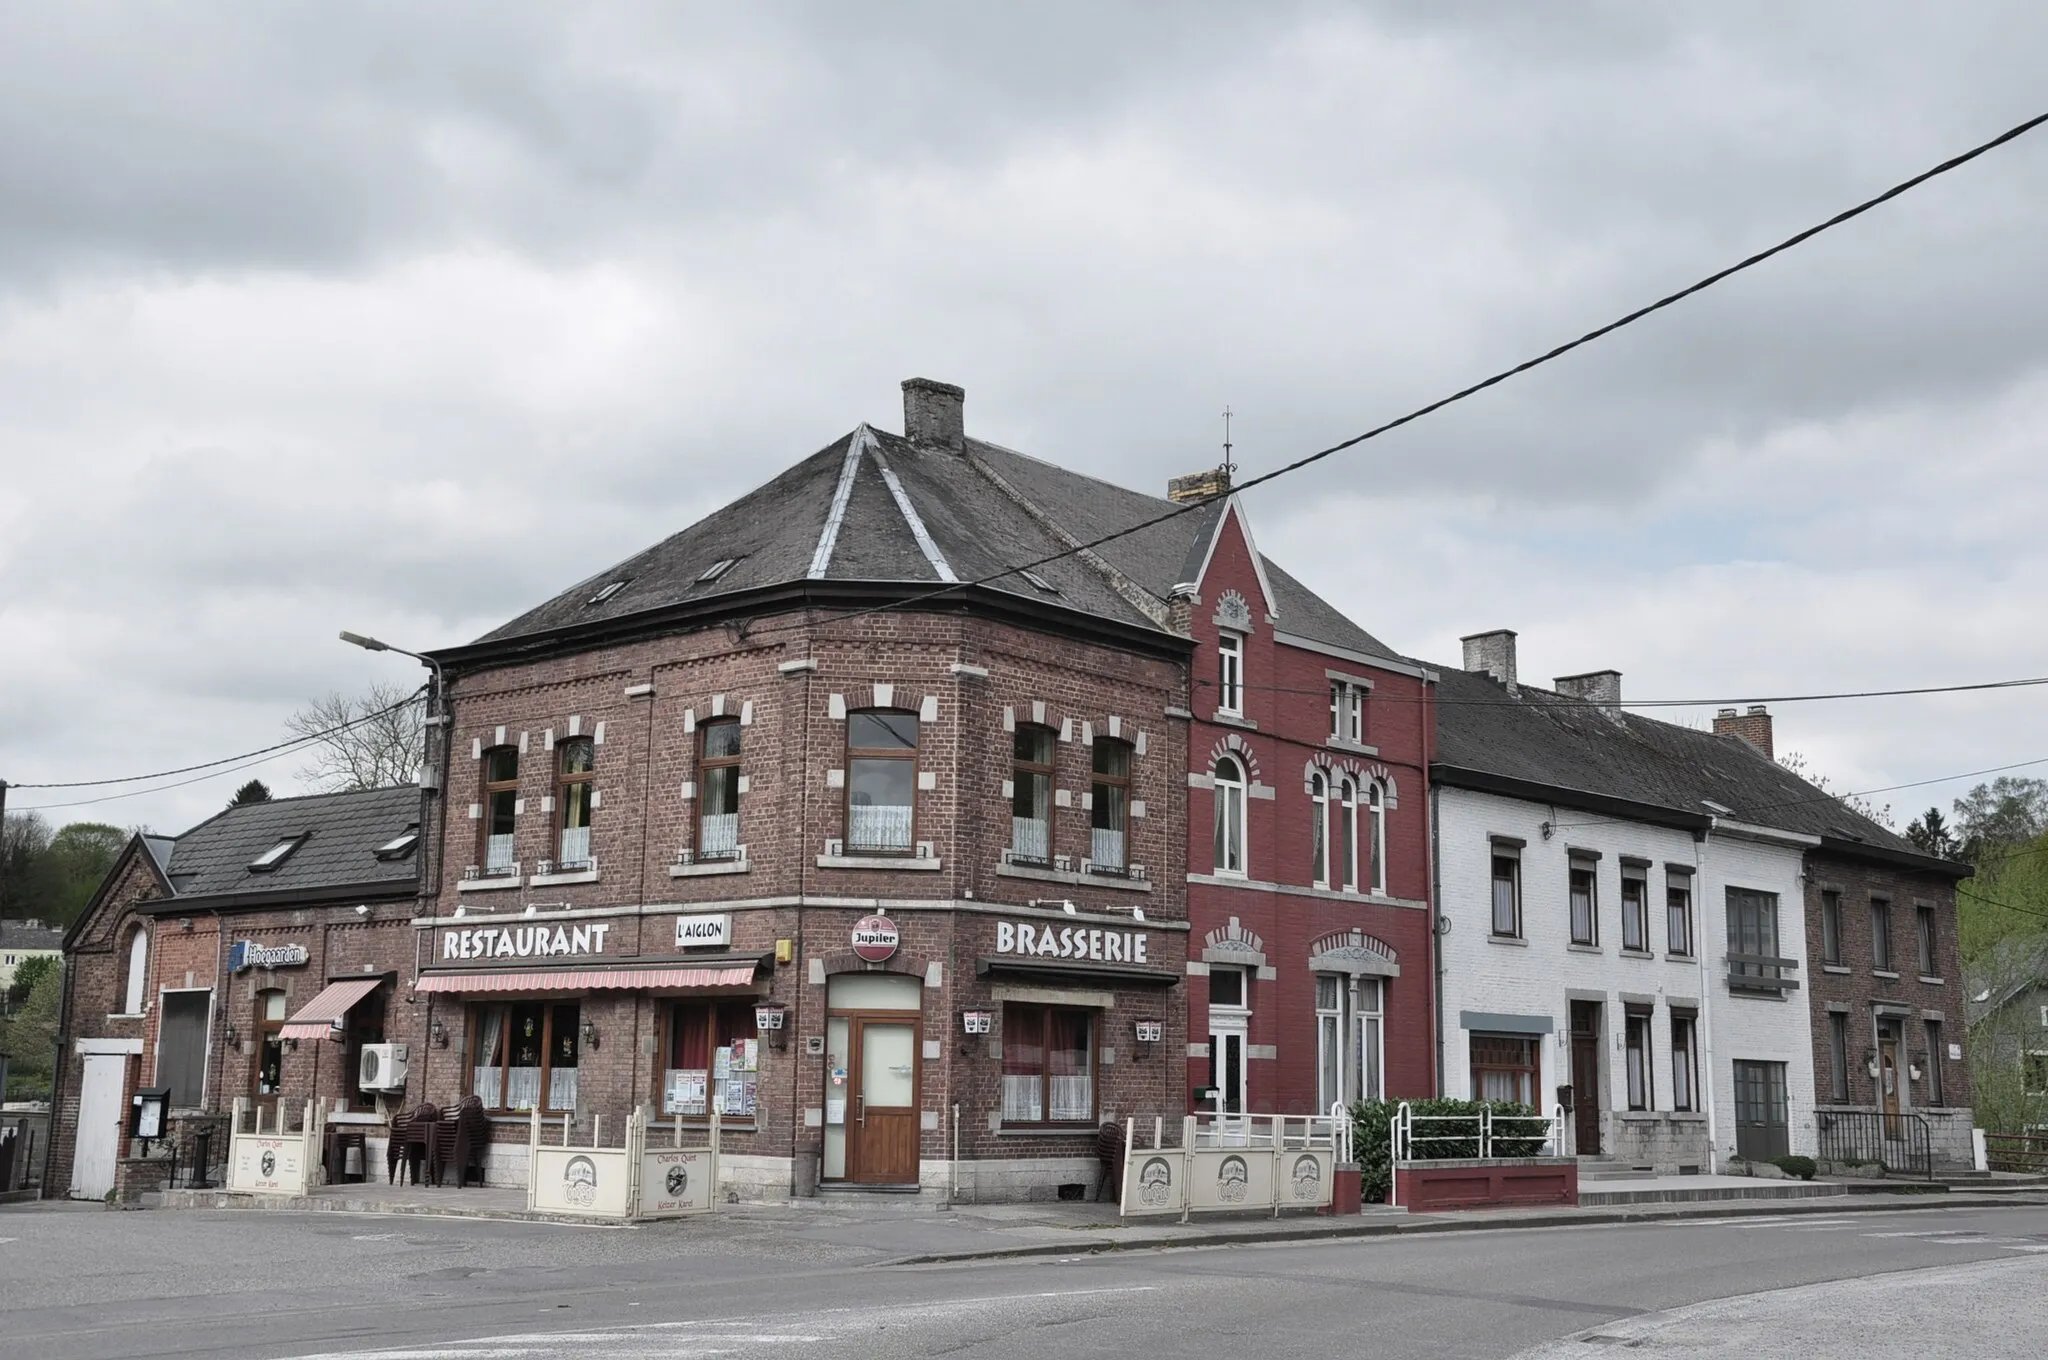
x=1308, y=840
x=216, y=964
x=759, y=772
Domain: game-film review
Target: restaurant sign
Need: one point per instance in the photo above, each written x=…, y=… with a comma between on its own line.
x=714, y=928
x=524, y=942
x=1073, y=942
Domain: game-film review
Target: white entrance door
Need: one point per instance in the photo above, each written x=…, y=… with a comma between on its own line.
x=99, y=1125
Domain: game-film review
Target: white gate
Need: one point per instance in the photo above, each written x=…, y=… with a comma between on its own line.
x=274, y=1161
x=630, y=1182
x=98, y=1143
x=1234, y=1163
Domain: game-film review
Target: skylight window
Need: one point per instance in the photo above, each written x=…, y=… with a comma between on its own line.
x=1039, y=581
x=717, y=569
x=1712, y=806
x=400, y=847
x=275, y=855
x=611, y=588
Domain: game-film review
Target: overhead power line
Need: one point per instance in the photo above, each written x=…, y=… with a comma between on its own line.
x=1505, y=701
x=1474, y=389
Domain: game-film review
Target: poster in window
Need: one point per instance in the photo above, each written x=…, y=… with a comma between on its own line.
x=746, y=1054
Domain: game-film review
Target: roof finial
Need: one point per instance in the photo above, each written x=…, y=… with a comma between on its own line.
x=1229, y=468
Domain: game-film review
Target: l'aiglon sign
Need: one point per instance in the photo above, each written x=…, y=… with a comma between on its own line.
x=1071, y=942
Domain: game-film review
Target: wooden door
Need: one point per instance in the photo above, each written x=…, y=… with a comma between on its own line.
x=882, y=1137
x=1585, y=1078
x=98, y=1144
x=1888, y=1083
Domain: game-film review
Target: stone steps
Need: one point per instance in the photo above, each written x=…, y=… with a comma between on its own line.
x=1676, y=1191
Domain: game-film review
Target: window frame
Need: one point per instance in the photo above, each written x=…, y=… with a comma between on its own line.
x=1358, y=1033
x=1107, y=788
x=1753, y=977
x=573, y=787
x=707, y=766
x=1924, y=929
x=855, y=755
x=1527, y=1075
x=716, y=1009
x=1347, y=831
x=1838, y=1057
x=491, y=791
x=1230, y=673
x=1021, y=770
x=1933, y=1076
x=1375, y=840
x=1678, y=907
x=1685, y=1061
x=264, y=1031
x=1576, y=865
x=135, y=996
x=1637, y=877
x=1639, y=1056
x=1831, y=926
x=1319, y=829
x=1884, y=957
x=1510, y=855
x=1231, y=797
x=550, y=1007
x=1015, y=1015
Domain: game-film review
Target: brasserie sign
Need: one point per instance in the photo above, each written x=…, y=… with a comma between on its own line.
x=1072, y=942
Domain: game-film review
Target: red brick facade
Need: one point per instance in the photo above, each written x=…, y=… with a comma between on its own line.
x=1275, y=917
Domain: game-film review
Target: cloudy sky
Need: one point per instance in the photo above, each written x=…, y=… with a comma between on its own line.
x=400, y=319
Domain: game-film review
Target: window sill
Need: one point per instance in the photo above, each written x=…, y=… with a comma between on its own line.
x=1932, y=981
x=1841, y=968
x=709, y=869
x=899, y=862
x=1884, y=973
x=1357, y=748
x=1045, y=1130
x=1078, y=880
x=1234, y=720
x=1577, y=948
x=129, y=1015
x=1672, y=956
x=494, y=884
x=1637, y=954
x=1515, y=940
x=558, y=880
x=697, y=1123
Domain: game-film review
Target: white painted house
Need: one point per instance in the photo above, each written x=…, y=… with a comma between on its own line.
x=1622, y=921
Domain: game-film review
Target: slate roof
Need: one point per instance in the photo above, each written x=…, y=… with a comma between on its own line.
x=875, y=507
x=339, y=836
x=1542, y=737
x=30, y=935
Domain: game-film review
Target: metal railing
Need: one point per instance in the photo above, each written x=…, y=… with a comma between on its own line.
x=1900, y=1143
x=2023, y=1152
x=1484, y=1135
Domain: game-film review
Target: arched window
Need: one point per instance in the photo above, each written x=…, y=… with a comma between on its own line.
x=881, y=782
x=1319, y=830
x=500, y=804
x=1347, y=833
x=1109, y=804
x=718, y=801
x=1229, y=781
x=1031, y=776
x=138, y=971
x=1376, y=838
x=576, y=761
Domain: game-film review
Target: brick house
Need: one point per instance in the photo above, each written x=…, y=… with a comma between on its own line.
x=1632, y=911
x=1308, y=838
x=761, y=773
x=207, y=964
x=1887, y=995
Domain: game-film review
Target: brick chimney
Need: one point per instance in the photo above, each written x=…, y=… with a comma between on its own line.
x=1753, y=727
x=932, y=414
x=1198, y=486
x=1602, y=689
x=1492, y=654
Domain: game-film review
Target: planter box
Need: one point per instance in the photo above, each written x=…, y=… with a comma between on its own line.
x=1424, y=1187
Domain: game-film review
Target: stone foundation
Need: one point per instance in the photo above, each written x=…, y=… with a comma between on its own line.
x=1669, y=1142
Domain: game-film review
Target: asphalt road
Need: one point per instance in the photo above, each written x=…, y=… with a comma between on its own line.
x=77, y=1284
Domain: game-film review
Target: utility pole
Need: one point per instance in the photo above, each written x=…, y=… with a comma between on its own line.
x=3, y=849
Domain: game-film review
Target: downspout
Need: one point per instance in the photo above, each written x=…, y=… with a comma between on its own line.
x=1436, y=905
x=1707, y=1083
x=796, y=1064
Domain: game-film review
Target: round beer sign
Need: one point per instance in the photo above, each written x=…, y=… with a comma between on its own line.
x=874, y=938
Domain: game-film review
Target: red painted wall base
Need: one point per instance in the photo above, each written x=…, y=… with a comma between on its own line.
x=1424, y=1187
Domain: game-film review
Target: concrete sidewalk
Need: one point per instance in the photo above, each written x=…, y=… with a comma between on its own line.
x=911, y=1231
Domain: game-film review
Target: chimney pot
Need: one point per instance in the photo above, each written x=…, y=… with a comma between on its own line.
x=1753, y=727
x=1492, y=654
x=932, y=414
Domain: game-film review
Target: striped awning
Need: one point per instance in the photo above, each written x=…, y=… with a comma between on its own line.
x=318, y=1016
x=589, y=979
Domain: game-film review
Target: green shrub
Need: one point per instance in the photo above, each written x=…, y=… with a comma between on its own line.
x=1795, y=1165
x=1371, y=1121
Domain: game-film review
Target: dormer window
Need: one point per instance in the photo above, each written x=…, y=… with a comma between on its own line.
x=402, y=846
x=268, y=861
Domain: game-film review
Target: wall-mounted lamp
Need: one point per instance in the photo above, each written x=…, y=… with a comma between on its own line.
x=589, y=1032
x=771, y=1021
x=232, y=1037
x=438, y=1032
x=1870, y=1060
x=1151, y=1031
x=977, y=1022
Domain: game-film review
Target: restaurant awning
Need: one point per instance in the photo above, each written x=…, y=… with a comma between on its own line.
x=666, y=977
x=318, y=1016
x=1060, y=969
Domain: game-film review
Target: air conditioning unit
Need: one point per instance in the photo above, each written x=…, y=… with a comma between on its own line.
x=382, y=1067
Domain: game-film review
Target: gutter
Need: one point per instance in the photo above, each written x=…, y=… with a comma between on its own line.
x=337, y=895
x=1582, y=800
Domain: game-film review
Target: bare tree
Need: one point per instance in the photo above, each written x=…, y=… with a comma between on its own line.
x=370, y=740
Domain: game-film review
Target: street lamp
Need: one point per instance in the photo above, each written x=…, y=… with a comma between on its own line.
x=370, y=644
x=443, y=719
